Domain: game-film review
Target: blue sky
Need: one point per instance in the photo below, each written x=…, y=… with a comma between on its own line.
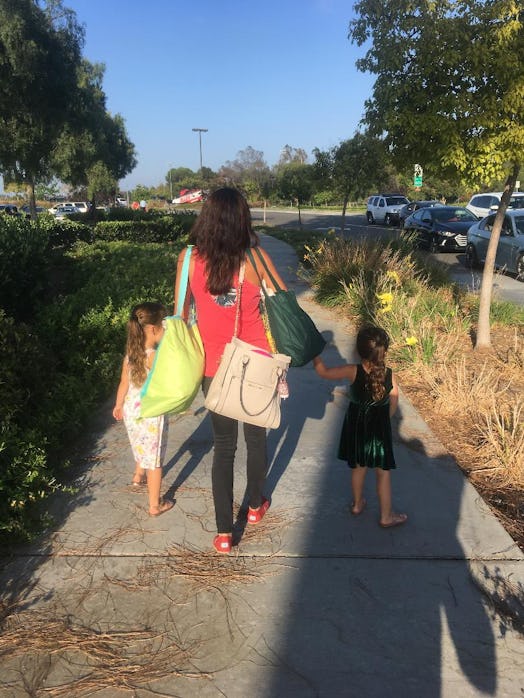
x=260, y=74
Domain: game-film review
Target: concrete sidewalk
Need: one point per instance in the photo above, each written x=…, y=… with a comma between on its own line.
x=312, y=602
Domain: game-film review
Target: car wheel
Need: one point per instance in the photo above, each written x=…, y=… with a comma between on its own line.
x=370, y=218
x=387, y=219
x=520, y=267
x=472, y=260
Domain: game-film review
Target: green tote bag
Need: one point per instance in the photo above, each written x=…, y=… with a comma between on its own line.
x=178, y=366
x=293, y=331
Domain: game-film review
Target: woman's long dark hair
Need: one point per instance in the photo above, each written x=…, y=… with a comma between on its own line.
x=372, y=345
x=222, y=233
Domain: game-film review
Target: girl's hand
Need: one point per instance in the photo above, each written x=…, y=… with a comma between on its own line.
x=319, y=365
x=118, y=413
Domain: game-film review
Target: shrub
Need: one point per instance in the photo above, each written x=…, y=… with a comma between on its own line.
x=160, y=229
x=56, y=371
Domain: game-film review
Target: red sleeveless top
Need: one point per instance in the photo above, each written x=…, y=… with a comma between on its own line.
x=216, y=316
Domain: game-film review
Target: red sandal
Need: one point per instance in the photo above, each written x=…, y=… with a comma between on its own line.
x=255, y=516
x=222, y=543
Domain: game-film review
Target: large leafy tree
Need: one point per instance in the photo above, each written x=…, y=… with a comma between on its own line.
x=352, y=168
x=40, y=51
x=93, y=141
x=449, y=94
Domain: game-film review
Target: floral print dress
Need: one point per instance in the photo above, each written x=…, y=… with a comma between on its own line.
x=148, y=436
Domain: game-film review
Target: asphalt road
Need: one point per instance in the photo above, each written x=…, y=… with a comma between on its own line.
x=505, y=287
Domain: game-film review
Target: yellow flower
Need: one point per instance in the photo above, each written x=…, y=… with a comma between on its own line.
x=393, y=275
x=385, y=298
x=411, y=341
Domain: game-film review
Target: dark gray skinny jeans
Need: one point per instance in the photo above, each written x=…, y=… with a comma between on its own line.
x=225, y=433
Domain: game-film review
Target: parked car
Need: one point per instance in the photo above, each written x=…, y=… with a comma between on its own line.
x=63, y=210
x=441, y=228
x=385, y=208
x=413, y=206
x=510, y=250
x=483, y=204
x=26, y=210
x=82, y=206
x=9, y=209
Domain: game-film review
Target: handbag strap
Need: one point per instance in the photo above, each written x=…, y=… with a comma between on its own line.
x=184, y=279
x=241, y=275
x=276, y=286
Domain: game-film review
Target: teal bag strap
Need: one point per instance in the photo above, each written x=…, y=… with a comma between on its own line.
x=184, y=279
x=264, y=264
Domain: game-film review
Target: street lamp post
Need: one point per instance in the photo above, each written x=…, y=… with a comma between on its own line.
x=200, y=131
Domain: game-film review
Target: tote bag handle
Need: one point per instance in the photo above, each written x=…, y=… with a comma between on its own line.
x=184, y=280
x=264, y=264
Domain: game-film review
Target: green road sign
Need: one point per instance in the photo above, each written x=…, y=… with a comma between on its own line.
x=417, y=181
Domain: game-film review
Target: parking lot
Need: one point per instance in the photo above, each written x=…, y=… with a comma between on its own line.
x=505, y=287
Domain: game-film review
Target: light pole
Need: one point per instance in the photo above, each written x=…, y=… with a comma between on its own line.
x=200, y=132
x=171, y=182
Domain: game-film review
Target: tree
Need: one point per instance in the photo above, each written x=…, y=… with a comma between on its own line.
x=40, y=52
x=352, y=168
x=295, y=182
x=249, y=170
x=290, y=155
x=93, y=141
x=448, y=94
x=101, y=183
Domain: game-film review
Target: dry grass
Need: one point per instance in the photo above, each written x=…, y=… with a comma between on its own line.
x=109, y=660
x=474, y=404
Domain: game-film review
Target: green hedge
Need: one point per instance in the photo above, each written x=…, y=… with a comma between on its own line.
x=165, y=229
x=60, y=365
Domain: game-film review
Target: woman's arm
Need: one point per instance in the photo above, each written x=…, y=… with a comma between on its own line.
x=254, y=278
x=348, y=371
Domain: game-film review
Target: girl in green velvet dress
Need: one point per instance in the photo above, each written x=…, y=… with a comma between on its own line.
x=366, y=440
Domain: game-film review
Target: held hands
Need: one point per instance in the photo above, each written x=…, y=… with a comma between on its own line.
x=319, y=366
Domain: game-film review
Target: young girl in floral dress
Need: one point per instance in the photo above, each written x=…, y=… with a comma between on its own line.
x=148, y=436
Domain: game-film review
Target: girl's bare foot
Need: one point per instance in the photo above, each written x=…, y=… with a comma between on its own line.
x=394, y=520
x=358, y=507
x=165, y=505
x=139, y=478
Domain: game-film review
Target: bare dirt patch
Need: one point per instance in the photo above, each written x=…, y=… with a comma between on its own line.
x=502, y=487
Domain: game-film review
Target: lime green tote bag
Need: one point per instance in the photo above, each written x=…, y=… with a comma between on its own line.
x=178, y=366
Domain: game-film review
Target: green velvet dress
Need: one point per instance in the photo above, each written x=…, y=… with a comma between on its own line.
x=366, y=438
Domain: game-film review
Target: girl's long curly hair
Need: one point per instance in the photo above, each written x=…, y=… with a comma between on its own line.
x=372, y=345
x=141, y=315
x=222, y=233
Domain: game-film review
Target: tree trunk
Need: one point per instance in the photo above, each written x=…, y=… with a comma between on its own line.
x=344, y=209
x=483, y=340
x=32, y=200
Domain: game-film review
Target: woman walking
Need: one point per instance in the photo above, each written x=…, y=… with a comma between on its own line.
x=222, y=234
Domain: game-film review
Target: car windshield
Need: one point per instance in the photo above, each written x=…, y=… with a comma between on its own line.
x=516, y=202
x=446, y=215
x=519, y=224
x=396, y=200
